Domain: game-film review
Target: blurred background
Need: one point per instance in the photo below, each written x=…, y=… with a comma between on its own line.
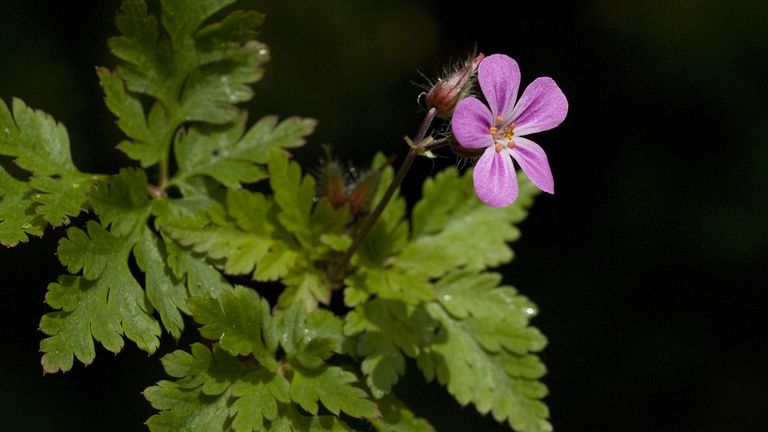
x=648, y=265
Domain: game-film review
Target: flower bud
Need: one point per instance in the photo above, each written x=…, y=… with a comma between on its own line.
x=449, y=90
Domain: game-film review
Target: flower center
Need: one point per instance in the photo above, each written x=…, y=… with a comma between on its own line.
x=504, y=136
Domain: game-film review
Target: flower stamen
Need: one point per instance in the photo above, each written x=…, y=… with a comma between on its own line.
x=498, y=147
x=499, y=119
x=493, y=130
x=510, y=144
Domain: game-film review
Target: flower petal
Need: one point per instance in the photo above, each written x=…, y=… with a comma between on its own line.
x=499, y=78
x=541, y=107
x=470, y=124
x=533, y=162
x=495, y=178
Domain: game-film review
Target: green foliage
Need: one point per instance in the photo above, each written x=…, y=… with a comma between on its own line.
x=166, y=240
x=246, y=382
x=444, y=218
x=231, y=157
x=103, y=304
x=57, y=190
x=18, y=219
x=483, y=349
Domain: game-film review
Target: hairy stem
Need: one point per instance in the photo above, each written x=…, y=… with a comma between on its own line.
x=338, y=270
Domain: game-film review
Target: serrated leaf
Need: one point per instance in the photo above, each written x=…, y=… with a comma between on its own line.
x=278, y=262
x=212, y=371
x=258, y=394
x=497, y=316
x=105, y=304
x=202, y=279
x=392, y=283
x=396, y=417
x=290, y=420
x=207, y=97
x=166, y=293
x=186, y=410
x=41, y=146
x=240, y=234
x=384, y=363
x=103, y=310
x=294, y=195
x=488, y=365
x=62, y=197
x=123, y=201
x=231, y=157
x=127, y=107
x=236, y=320
x=307, y=286
x=451, y=215
x=211, y=151
x=214, y=388
x=387, y=329
x=39, y=143
x=332, y=387
x=309, y=338
x=18, y=218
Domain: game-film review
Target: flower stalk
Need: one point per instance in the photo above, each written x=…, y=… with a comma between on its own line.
x=337, y=271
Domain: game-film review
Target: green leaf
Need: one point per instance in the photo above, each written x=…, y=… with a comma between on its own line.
x=242, y=239
x=258, y=394
x=279, y=261
x=396, y=417
x=212, y=371
x=18, y=219
x=291, y=420
x=332, y=387
x=105, y=304
x=309, y=339
x=237, y=320
x=231, y=158
x=39, y=143
x=199, y=399
x=225, y=154
x=387, y=329
x=294, y=195
x=396, y=284
x=62, y=197
x=166, y=293
x=268, y=136
x=211, y=151
x=197, y=80
x=145, y=133
x=127, y=107
x=486, y=358
x=497, y=316
x=186, y=410
x=202, y=279
x=122, y=202
x=384, y=363
x=305, y=285
x=451, y=215
x=41, y=146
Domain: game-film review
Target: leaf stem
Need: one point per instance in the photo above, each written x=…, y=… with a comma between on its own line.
x=339, y=269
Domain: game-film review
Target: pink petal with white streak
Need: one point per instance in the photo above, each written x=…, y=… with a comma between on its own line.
x=495, y=179
x=470, y=124
x=499, y=77
x=541, y=107
x=533, y=161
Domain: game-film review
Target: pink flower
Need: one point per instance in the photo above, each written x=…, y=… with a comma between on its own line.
x=501, y=129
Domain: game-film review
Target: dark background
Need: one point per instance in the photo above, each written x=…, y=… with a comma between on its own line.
x=648, y=264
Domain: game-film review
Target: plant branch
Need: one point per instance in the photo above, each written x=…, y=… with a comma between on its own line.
x=339, y=269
